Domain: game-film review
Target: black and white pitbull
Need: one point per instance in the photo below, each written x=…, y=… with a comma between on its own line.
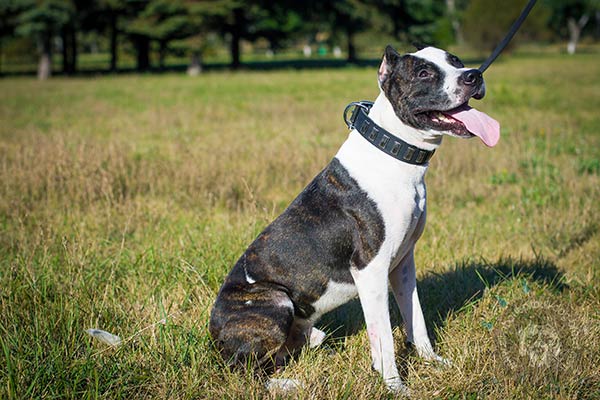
x=353, y=229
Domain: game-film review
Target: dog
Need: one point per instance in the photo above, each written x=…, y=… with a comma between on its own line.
x=353, y=229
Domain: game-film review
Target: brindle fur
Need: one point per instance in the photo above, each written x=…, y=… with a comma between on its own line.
x=329, y=228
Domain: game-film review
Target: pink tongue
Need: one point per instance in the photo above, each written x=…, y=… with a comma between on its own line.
x=478, y=123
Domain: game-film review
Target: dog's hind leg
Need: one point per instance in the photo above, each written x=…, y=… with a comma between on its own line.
x=298, y=336
x=403, y=281
x=251, y=328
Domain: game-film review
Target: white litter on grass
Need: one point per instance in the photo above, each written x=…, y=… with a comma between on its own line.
x=317, y=337
x=105, y=337
x=283, y=385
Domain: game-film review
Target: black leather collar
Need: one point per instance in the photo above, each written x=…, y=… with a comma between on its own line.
x=382, y=139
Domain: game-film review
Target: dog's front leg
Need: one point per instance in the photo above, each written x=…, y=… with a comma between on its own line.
x=403, y=280
x=372, y=285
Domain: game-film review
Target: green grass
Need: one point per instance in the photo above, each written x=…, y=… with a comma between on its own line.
x=125, y=200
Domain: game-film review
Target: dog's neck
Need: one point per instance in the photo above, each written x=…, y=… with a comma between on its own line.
x=382, y=113
x=357, y=152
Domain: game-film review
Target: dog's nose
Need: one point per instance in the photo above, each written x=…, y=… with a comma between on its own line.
x=472, y=77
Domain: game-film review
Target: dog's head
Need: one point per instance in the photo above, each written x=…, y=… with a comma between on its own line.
x=429, y=91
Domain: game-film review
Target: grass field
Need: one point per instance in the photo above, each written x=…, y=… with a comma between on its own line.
x=125, y=200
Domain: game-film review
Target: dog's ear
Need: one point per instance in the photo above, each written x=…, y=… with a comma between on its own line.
x=419, y=45
x=390, y=58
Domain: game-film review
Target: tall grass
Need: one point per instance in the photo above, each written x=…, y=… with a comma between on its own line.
x=125, y=200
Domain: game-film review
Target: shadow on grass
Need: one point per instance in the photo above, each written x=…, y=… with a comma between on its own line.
x=444, y=293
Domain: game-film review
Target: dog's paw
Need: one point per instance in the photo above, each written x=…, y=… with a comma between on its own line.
x=317, y=337
x=446, y=362
x=434, y=358
x=425, y=351
x=283, y=385
x=395, y=385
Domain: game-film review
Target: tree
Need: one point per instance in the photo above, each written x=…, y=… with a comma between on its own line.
x=203, y=16
x=454, y=8
x=236, y=19
x=138, y=33
x=42, y=20
x=68, y=35
x=9, y=11
x=249, y=20
x=104, y=17
x=487, y=21
x=227, y=17
x=162, y=21
x=416, y=20
x=208, y=17
x=277, y=22
x=344, y=18
x=574, y=16
x=350, y=17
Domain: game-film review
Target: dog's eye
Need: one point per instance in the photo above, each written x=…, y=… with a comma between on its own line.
x=455, y=62
x=424, y=73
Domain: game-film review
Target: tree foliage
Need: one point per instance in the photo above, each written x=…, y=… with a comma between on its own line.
x=571, y=17
x=165, y=26
x=43, y=18
x=486, y=22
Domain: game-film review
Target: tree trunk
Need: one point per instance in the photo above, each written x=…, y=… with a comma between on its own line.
x=65, y=51
x=142, y=47
x=45, y=62
x=69, y=50
x=597, y=24
x=162, y=53
x=113, y=42
x=73, y=34
x=451, y=12
x=236, y=36
x=351, y=49
x=195, y=67
x=575, y=28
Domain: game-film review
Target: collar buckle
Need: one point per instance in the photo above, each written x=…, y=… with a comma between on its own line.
x=352, y=110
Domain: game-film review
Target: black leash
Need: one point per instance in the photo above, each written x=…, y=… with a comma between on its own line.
x=513, y=29
x=382, y=139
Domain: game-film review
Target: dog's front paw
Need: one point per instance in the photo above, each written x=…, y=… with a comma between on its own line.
x=283, y=385
x=425, y=351
x=395, y=385
x=434, y=358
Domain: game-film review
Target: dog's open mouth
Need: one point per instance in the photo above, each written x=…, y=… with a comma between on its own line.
x=465, y=121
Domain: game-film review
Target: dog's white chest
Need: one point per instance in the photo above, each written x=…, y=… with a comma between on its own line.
x=397, y=188
x=404, y=217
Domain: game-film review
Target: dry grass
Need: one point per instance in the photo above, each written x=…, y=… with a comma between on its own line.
x=125, y=201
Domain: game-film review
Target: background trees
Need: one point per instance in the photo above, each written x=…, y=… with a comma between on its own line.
x=42, y=21
x=570, y=17
x=148, y=31
x=485, y=22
